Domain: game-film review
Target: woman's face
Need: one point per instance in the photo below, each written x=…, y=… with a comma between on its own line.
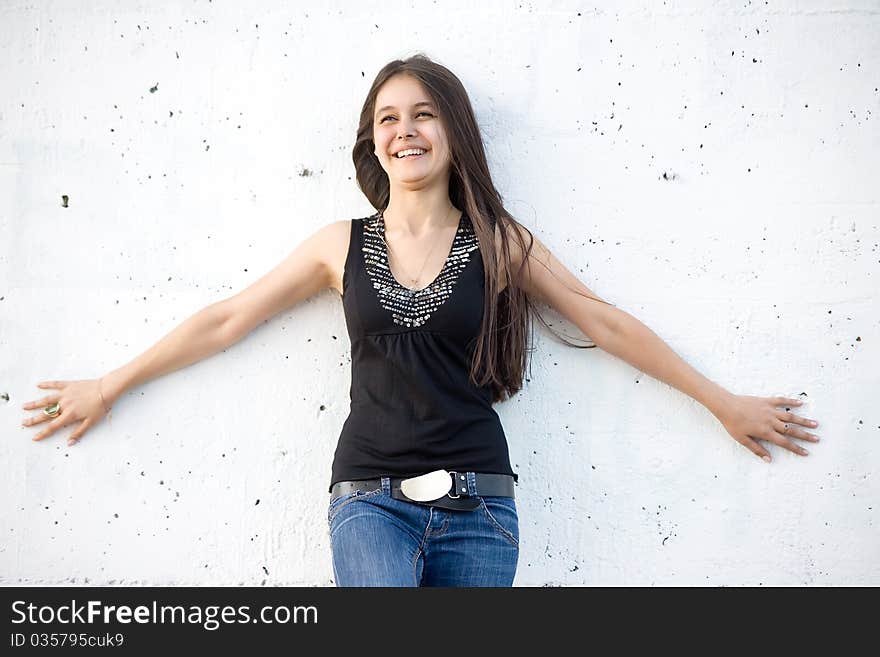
x=401, y=122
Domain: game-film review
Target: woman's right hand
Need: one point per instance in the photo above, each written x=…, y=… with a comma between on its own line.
x=79, y=401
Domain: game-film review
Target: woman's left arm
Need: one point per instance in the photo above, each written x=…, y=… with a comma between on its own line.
x=746, y=418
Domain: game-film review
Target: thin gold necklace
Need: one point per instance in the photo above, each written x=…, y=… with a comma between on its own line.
x=411, y=288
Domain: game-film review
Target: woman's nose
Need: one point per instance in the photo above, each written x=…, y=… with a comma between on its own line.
x=404, y=129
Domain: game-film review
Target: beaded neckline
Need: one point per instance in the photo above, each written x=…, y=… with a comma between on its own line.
x=408, y=307
x=412, y=291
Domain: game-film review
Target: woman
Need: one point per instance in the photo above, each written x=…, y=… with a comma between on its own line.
x=438, y=289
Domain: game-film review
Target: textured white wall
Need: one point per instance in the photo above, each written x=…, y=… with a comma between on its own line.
x=705, y=166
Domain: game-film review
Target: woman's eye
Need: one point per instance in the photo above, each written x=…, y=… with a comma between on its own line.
x=419, y=114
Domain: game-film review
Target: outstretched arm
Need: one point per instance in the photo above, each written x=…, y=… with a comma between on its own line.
x=745, y=417
x=307, y=270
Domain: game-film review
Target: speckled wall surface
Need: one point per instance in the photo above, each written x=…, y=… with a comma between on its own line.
x=705, y=166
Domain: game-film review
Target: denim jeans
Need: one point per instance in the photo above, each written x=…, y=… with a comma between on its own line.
x=377, y=540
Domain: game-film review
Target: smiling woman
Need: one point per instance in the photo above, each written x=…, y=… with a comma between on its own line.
x=437, y=311
x=438, y=288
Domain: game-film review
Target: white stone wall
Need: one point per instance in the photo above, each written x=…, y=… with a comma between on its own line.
x=705, y=166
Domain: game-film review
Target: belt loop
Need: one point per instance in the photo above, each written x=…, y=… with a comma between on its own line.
x=472, y=484
x=386, y=485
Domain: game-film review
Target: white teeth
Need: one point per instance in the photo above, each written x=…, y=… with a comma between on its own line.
x=411, y=151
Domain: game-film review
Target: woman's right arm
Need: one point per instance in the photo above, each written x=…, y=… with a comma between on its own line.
x=303, y=273
x=308, y=269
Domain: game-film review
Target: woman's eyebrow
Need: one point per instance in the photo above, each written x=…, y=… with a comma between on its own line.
x=391, y=107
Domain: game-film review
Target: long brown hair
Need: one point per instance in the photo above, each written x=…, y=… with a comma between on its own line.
x=500, y=354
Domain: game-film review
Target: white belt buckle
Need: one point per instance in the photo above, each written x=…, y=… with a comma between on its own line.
x=427, y=487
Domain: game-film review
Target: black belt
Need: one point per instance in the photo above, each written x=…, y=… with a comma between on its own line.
x=455, y=498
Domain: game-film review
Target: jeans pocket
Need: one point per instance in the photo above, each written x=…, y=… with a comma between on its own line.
x=502, y=515
x=339, y=503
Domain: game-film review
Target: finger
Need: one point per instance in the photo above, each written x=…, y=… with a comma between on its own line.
x=45, y=401
x=791, y=419
x=755, y=447
x=790, y=446
x=41, y=417
x=54, y=425
x=786, y=431
x=50, y=384
x=35, y=419
x=787, y=416
x=785, y=401
x=79, y=431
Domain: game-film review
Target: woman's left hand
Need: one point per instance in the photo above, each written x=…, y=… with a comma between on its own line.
x=749, y=419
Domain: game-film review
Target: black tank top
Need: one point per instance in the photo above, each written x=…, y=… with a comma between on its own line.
x=413, y=408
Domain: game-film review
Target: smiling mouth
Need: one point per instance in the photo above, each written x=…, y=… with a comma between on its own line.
x=410, y=156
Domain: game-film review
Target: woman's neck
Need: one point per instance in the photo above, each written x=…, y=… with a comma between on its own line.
x=413, y=215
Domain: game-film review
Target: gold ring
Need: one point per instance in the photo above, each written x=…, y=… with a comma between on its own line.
x=52, y=410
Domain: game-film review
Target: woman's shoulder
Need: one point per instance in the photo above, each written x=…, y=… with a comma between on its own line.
x=336, y=243
x=336, y=246
x=519, y=239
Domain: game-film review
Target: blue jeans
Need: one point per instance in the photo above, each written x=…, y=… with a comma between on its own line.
x=377, y=540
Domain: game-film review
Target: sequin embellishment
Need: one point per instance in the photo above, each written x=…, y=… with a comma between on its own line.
x=412, y=308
